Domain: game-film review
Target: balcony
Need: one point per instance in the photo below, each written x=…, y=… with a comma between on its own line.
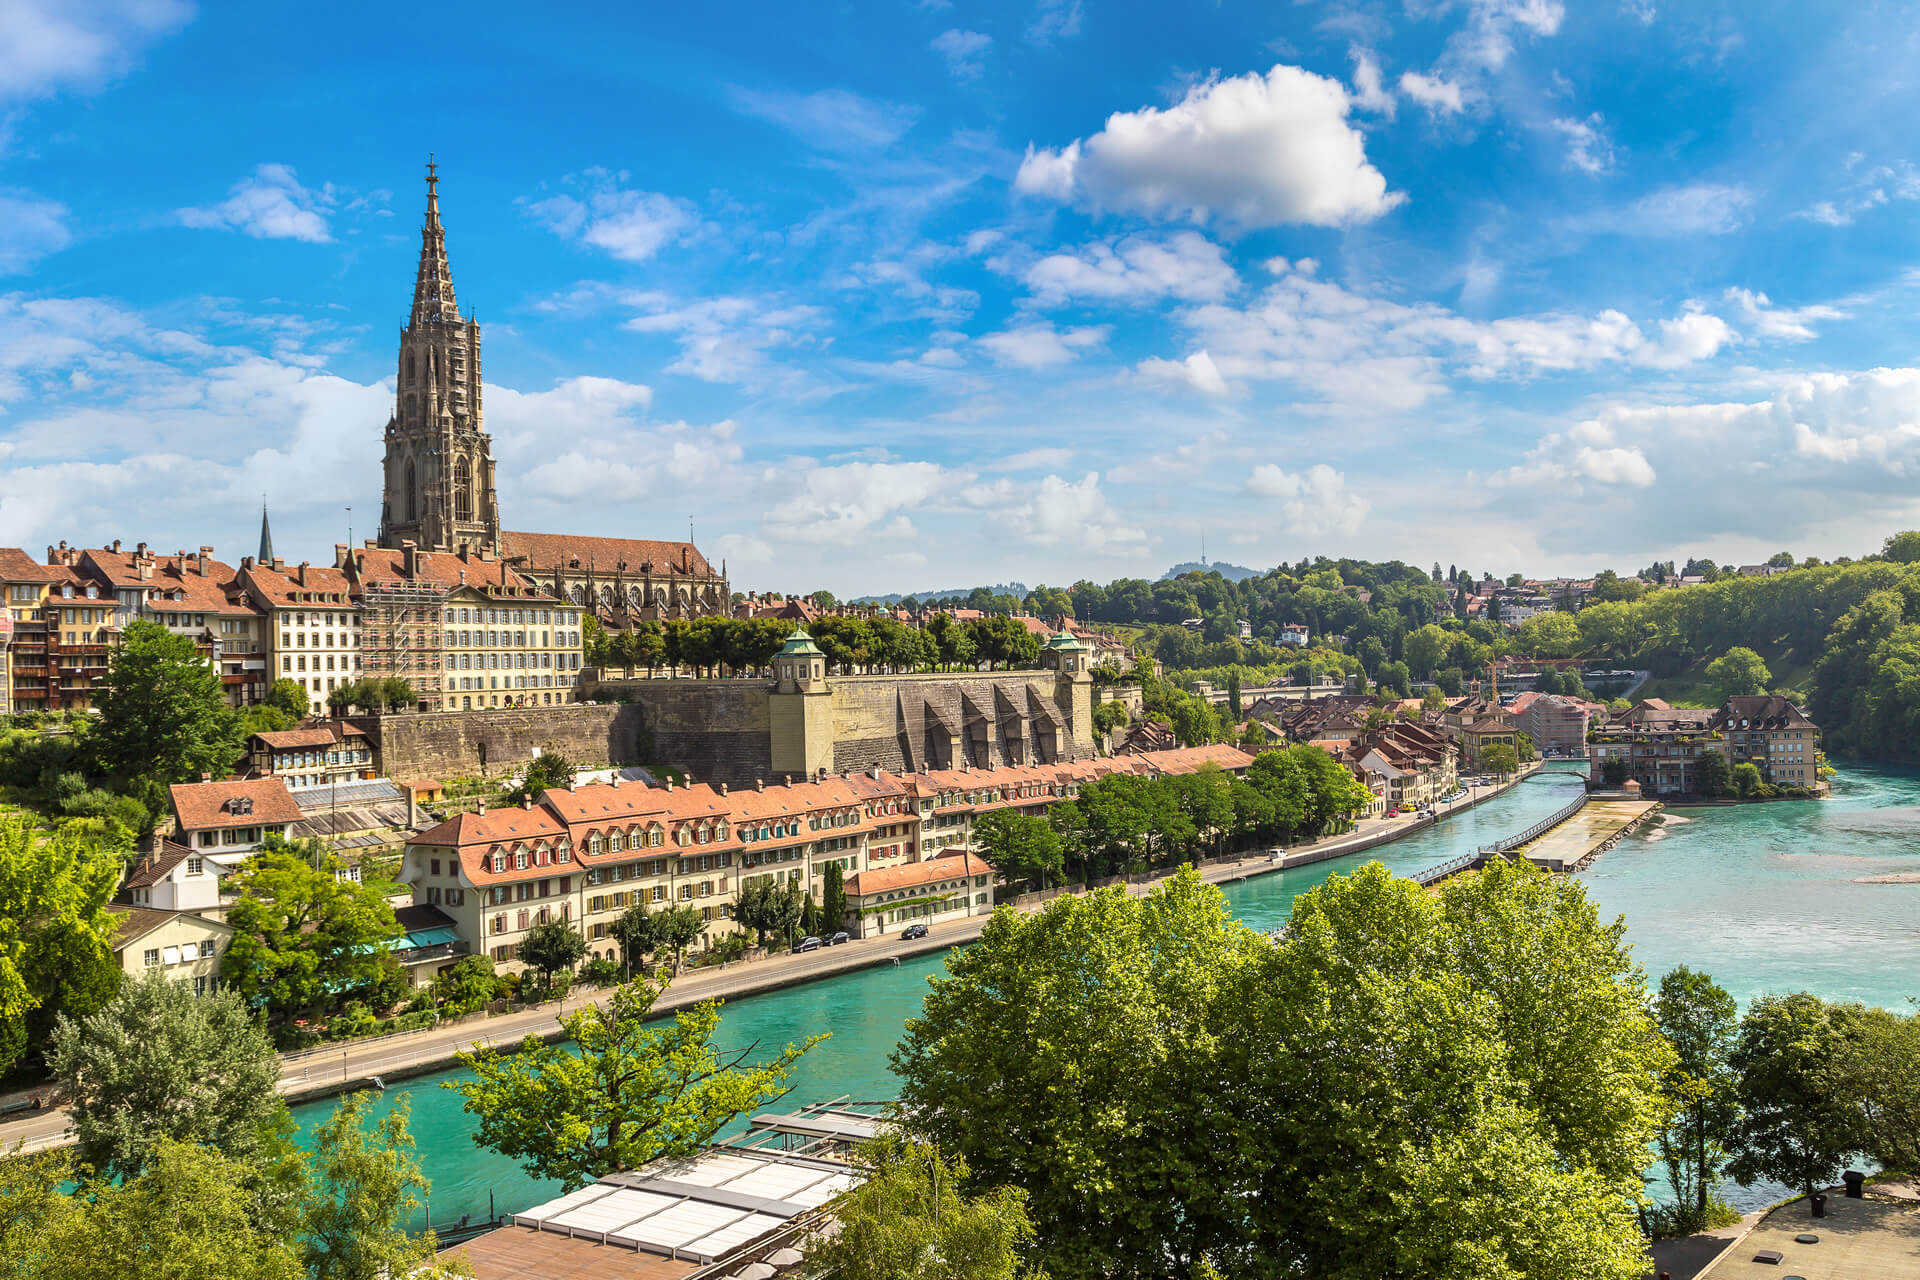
x=438, y=951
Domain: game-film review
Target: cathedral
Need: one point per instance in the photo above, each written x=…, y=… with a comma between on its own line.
x=440, y=492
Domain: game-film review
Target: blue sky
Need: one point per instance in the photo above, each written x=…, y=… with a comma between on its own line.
x=894, y=296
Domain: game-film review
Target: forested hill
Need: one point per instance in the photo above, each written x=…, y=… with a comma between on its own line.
x=1231, y=572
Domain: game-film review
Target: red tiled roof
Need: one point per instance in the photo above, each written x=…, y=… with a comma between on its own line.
x=153, y=868
x=200, y=806
x=290, y=739
x=283, y=589
x=17, y=566
x=912, y=875
x=130, y=924
x=442, y=568
x=545, y=551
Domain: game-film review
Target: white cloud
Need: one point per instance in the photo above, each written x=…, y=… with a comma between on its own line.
x=271, y=205
x=1436, y=95
x=52, y=45
x=30, y=229
x=1315, y=501
x=1038, y=345
x=1686, y=339
x=632, y=226
x=1068, y=514
x=963, y=51
x=1781, y=324
x=843, y=504
x=1250, y=151
x=1588, y=148
x=1369, y=94
x=830, y=119
x=1869, y=189
x=1197, y=371
x=726, y=338
x=1698, y=208
x=1054, y=18
x=1134, y=269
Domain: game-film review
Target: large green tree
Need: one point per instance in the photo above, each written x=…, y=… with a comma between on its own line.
x=304, y=939
x=158, y=1064
x=1021, y=847
x=56, y=934
x=624, y=1091
x=368, y=1182
x=290, y=697
x=633, y=930
x=1882, y=1074
x=1075, y=1054
x=1797, y=1125
x=1699, y=1020
x=163, y=715
x=1738, y=671
x=909, y=1220
x=550, y=947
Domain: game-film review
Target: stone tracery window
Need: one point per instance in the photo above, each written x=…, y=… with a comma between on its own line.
x=462, y=490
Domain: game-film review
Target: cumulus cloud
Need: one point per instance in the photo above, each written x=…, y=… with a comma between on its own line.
x=963, y=51
x=1038, y=345
x=270, y=205
x=1314, y=501
x=1042, y=459
x=844, y=503
x=52, y=45
x=1249, y=151
x=1361, y=351
x=1056, y=512
x=30, y=229
x=1197, y=371
x=1433, y=93
x=1134, y=269
x=632, y=226
x=1369, y=94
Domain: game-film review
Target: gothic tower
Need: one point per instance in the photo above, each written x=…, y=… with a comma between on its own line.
x=439, y=490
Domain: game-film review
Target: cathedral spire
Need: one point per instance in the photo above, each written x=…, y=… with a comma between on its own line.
x=266, y=537
x=433, y=298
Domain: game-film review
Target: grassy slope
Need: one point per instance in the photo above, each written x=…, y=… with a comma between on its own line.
x=1690, y=688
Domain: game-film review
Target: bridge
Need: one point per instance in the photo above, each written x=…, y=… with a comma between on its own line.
x=1283, y=692
x=1566, y=840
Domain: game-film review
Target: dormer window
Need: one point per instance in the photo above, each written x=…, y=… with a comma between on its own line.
x=520, y=860
x=499, y=863
x=720, y=830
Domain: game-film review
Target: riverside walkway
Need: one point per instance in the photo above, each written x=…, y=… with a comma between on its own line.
x=356, y=1064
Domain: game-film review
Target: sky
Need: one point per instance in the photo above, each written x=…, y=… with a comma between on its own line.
x=923, y=294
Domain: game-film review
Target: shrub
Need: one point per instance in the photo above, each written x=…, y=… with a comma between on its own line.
x=600, y=972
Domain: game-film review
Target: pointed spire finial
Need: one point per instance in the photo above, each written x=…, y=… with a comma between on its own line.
x=433, y=298
x=266, y=534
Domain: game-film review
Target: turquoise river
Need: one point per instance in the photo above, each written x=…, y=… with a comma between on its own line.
x=1771, y=897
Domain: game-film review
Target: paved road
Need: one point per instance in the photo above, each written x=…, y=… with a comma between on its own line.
x=325, y=1071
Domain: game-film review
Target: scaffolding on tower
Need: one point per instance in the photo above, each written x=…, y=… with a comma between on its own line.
x=400, y=635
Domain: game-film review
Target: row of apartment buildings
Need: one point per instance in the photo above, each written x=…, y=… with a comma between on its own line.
x=1663, y=745
x=464, y=629
x=587, y=853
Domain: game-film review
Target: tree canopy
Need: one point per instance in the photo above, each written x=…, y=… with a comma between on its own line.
x=625, y=1091
x=163, y=715
x=1409, y=1085
x=56, y=934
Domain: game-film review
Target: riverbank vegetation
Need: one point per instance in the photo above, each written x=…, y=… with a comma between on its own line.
x=1409, y=1083
x=1124, y=824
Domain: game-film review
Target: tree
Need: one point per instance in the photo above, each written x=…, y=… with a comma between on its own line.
x=1714, y=777
x=1698, y=1019
x=678, y=928
x=1067, y=1053
x=370, y=1180
x=1523, y=750
x=596, y=646
x=549, y=769
x=1108, y=716
x=551, y=946
x=397, y=695
x=304, y=939
x=1425, y=647
x=56, y=934
x=186, y=1218
x=1020, y=847
x=634, y=931
x=291, y=697
x=1737, y=672
x=1613, y=771
x=159, y=1063
x=1903, y=548
x=833, y=897
x=1747, y=781
x=1499, y=758
x=1796, y=1125
x=771, y=906
x=626, y=1091
x=465, y=985
x=909, y=1221
x=1882, y=1073
x=163, y=714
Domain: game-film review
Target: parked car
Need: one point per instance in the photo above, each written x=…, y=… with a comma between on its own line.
x=806, y=944
x=913, y=931
x=840, y=937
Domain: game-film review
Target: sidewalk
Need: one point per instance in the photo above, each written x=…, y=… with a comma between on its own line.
x=317, y=1073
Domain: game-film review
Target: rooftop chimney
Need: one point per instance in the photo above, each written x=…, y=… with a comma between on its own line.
x=205, y=552
x=723, y=788
x=301, y=576
x=873, y=771
x=669, y=783
x=759, y=784
x=116, y=546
